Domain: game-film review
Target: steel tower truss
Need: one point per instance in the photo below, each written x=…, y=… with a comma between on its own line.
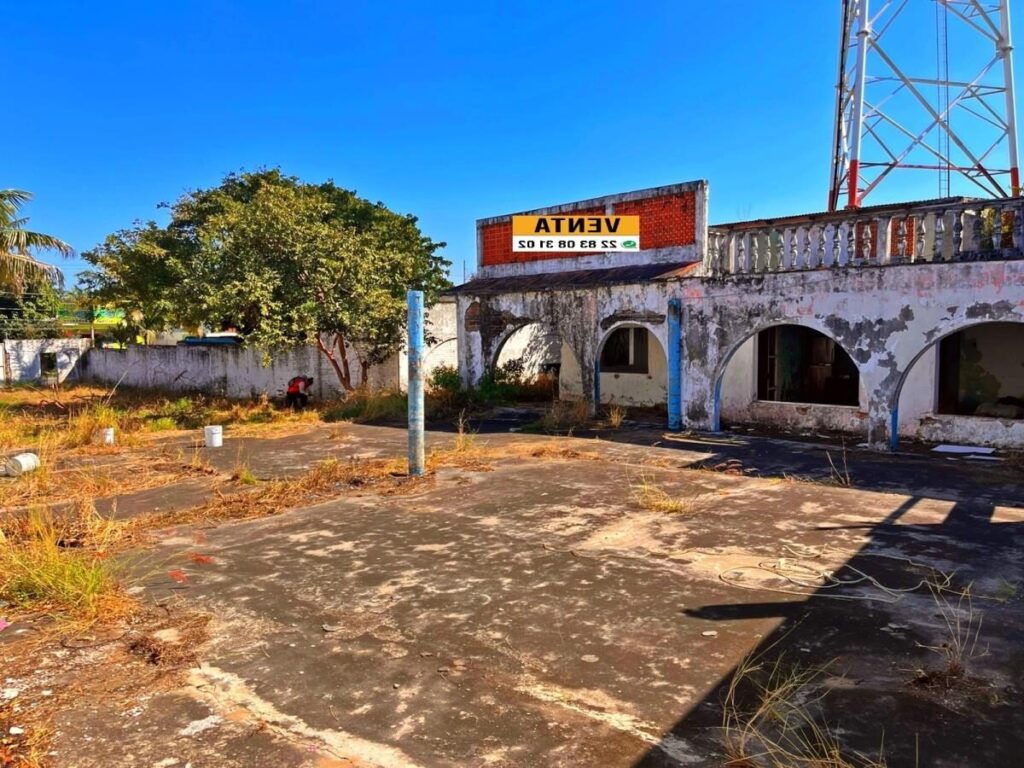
x=892, y=116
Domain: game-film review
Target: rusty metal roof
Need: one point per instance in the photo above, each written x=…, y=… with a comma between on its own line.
x=583, y=278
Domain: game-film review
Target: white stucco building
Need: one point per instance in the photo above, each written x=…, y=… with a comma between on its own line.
x=889, y=321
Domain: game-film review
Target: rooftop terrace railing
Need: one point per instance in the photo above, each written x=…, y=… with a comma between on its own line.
x=947, y=232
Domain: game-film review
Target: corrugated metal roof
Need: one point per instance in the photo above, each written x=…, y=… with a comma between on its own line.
x=584, y=278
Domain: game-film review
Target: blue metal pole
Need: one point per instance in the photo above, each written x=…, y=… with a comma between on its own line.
x=675, y=365
x=416, y=449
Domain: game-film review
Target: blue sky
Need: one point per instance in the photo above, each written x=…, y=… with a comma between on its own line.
x=448, y=110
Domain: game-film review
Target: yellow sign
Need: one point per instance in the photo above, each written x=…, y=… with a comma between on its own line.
x=561, y=233
x=567, y=224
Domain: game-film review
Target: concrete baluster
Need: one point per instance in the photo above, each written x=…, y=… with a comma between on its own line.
x=958, y=234
x=883, y=226
x=844, y=244
x=940, y=236
x=919, y=237
x=774, y=262
x=828, y=256
x=1018, y=226
x=799, y=246
x=901, y=238
x=813, y=246
x=997, y=228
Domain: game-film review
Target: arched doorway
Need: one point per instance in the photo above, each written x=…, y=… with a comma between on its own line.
x=792, y=377
x=537, y=355
x=965, y=387
x=632, y=368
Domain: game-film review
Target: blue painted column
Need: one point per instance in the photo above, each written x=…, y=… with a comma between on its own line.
x=416, y=417
x=675, y=364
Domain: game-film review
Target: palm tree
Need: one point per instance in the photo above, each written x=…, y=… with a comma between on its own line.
x=17, y=264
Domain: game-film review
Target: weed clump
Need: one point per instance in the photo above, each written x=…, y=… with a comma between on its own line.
x=652, y=497
x=771, y=717
x=365, y=405
x=62, y=567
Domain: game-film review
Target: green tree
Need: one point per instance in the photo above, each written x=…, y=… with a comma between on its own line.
x=32, y=313
x=17, y=264
x=282, y=261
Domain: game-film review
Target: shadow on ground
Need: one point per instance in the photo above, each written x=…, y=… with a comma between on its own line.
x=881, y=695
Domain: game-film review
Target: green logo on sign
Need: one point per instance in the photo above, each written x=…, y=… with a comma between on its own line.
x=629, y=243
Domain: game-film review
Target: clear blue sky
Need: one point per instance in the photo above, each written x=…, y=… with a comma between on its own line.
x=448, y=110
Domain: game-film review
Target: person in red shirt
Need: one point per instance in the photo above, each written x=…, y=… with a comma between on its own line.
x=297, y=395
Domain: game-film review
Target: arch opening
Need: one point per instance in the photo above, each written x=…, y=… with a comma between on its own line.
x=965, y=387
x=536, y=359
x=632, y=368
x=789, y=376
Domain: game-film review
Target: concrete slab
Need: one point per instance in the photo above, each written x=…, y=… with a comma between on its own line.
x=536, y=615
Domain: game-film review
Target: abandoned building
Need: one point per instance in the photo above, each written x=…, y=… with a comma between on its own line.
x=882, y=322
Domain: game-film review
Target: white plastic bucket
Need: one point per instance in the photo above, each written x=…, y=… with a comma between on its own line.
x=213, y=436
x=22, y=463
x=107, y=435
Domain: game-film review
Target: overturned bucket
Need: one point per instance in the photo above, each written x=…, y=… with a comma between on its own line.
x=22, y=463
x=213, y=436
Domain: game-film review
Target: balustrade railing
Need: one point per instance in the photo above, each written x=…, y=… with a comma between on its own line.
x=962, y=231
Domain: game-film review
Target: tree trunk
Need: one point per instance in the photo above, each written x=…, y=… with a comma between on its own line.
x=343, y=353
x=342, y=372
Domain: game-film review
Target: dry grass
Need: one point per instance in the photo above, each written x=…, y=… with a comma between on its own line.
x=771, y=718
x=550, y=450
x=652, y=497
x=63, y=566
x=840, y=475
x=615, y=416
x=148, y=652
x=242, y=474
x=564, y=416
x=962, y=629
x=325, y=480
x=366, y=405
x=50, y=484
x=70, y=418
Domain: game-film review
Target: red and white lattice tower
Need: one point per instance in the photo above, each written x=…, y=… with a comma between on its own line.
x=924, y=85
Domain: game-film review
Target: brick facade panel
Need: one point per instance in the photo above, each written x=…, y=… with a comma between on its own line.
x=667, y=220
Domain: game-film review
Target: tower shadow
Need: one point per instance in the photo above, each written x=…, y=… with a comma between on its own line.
x=869, y=647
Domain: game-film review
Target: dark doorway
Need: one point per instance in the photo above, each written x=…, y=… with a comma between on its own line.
x=981, y=371
x=801, y=365
x=625, y=351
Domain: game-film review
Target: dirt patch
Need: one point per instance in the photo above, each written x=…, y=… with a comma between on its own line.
x=48, y=670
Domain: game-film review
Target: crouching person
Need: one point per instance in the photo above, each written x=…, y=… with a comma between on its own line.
x=297, y=395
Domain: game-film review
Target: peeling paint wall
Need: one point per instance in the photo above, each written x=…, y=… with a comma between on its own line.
x=23, y=358
x=240, y=371
x=580, y=319
x=885, y=317
x=227, y=371
x=740, y=405
x=536, y=344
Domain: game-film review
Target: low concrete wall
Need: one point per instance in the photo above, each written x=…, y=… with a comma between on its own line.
x=972, y=430
x=23, y=358
x=229, y=371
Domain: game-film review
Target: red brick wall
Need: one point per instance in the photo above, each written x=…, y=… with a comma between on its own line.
x=664, y=221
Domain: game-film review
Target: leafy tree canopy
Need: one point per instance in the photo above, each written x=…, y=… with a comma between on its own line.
x=283, y=261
